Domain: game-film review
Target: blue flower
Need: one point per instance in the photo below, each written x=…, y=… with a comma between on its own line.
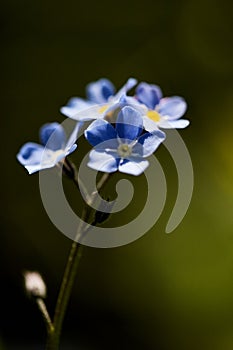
x=124, y=147
x=55, y=147
x=162, y=112
x=101, y=100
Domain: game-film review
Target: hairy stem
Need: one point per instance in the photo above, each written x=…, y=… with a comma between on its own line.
x=41, y=304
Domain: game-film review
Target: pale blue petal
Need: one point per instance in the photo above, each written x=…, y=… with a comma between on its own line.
x=148, y=94
x=35, y=157
x=74, y=105
x=91, y=113
x=48, y=161
x=30, y=153
x=73, y=136
x=172, y=107
x=102, y=161
x=129, y=123
x=100, y=90
x=71, y=149
x=33, y=168
x=51, y=158
x=174, y=124
x=149, y=124
x=68, y=111
x=100, y=131
x=78, y=103
x=131, y=82
x=133, y=166
x=53, y=136
x=149, y=142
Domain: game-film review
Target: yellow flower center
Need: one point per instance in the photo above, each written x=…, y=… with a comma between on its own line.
x=103, y=109
x=153, y=115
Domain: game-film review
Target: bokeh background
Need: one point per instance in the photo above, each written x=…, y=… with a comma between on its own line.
x=161, y=291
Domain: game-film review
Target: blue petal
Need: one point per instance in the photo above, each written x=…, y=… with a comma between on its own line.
x=172, y=107
x=100, y=90
x=49, y=160
x=102, y=161
x=129, y=123
x=100, y=131
x=174, y=124
x=30, y=154
x=57, y=134
x=133, y=166
x=149, y=142
x=148, y=94
x=74, y=105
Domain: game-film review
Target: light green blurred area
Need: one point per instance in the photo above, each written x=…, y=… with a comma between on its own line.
x=173, y=290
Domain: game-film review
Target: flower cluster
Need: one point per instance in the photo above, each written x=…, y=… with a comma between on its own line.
x=123, y=130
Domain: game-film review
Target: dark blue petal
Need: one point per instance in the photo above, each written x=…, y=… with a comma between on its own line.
x=100, y=131
x=148, y=94
x=58, y=139
x=100, y=90
x=129, y=123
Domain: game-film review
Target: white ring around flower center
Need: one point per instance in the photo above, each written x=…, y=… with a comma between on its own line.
x=124, y=150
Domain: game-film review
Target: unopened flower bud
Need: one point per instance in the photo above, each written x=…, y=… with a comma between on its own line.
x=34, y=284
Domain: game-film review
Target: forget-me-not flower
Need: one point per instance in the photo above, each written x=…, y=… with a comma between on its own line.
x=101, y=101
x=124, y=147
x=53, y=149
x=162, y=112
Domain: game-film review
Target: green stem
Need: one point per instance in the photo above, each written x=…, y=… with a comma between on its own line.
x=70, y=273
x=64, y=295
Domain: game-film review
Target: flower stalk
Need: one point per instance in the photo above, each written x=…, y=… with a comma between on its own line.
x=43, y=309
x=70, y=273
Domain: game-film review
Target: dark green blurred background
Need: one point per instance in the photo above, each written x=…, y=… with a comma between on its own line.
x=162, y=291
